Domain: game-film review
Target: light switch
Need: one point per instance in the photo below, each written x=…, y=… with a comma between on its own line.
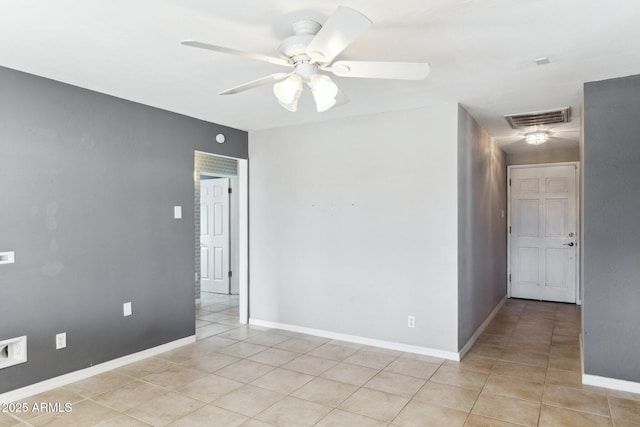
x=177, y=212
x=126, y=308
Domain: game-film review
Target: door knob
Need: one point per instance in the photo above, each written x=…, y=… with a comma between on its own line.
x=569, y=244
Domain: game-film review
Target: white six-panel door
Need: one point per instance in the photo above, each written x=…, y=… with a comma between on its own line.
x=214, y=235
x=543, y=232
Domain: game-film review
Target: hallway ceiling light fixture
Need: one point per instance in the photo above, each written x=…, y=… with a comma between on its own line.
x=311, y=52
x=536, y=138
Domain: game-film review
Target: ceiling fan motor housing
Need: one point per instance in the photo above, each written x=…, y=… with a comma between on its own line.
x=294, y=47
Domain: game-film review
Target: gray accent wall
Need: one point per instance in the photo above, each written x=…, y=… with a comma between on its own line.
x=482, y=224
x=89, y=183
x=611, y=228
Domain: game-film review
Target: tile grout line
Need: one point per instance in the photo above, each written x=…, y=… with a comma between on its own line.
x=470, y=413
x=414, y=394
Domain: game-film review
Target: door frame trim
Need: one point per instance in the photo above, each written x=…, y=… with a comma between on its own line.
x=577, y=208
x=243, y=234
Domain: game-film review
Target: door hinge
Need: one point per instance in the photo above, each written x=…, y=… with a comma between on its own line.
x=509, y=181
x=509, y=276
x=230, y=191
x=509, y=229
x=230, y=274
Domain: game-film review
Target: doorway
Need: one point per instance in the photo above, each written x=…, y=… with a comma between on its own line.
x=543, y=232
x=224, y=272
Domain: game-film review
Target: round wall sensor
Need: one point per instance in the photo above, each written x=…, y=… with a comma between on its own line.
x=220, y=138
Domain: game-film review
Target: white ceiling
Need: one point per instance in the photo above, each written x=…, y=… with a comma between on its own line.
x=481, y=54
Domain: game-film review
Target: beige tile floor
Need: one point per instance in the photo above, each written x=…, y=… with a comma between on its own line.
x=524, y=370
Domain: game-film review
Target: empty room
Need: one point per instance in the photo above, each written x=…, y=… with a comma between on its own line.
x=304, y=213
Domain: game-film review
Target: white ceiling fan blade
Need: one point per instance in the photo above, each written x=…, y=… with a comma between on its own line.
x=255, y=83
x=257, y=56
x=381, y=70
x=340, y=30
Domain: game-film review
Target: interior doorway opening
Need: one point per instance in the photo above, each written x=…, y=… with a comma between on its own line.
x=213, y=261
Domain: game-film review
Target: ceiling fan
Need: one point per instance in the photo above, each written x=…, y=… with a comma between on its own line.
x=311, y=52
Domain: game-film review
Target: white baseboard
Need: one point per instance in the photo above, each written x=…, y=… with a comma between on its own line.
x=598, y=381
x=482, y=327
x=62, y=380
x=358, y=340
x=612, y=383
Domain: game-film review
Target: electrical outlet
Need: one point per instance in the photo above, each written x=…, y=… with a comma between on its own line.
x=61, y=340
x=18, y=350
x=411, y=321
x=126, y=309
x=13, y=351
x=7, y=257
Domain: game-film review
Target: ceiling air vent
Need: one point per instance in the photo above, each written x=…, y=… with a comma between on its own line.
x=526, y=120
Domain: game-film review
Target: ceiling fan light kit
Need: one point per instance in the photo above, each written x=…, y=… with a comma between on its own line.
x=310, y=52
x=288, y=92
x=324, y=91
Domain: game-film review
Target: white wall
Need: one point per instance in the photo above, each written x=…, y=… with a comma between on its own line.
x=354, y=226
